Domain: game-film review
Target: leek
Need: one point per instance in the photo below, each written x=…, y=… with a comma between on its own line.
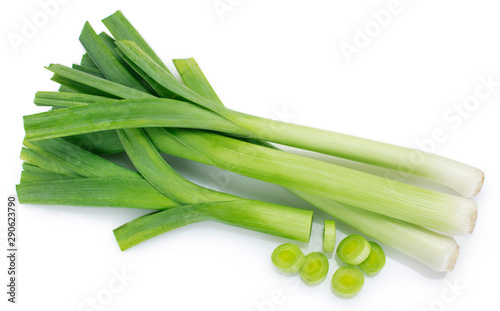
x=375, y=261
x=94, y=191
x=243, y=129
x=90, y=70
x=68, y=159
x=353, y=249
x=135, y=142
x=77, y=87
x=30, y=176
x=329, y=236
x=122, y=29
x=314, y=269
x=260, y=216
x=163, y=177
x=288, y=258
x=37, y=159
x=110, y=67
x=464, y=179
x=120, y=187
x=424, y=207
x=437, y=251
x=347, y=282
x=87, y=61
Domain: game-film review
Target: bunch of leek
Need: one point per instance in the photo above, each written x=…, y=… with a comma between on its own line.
x=122, y=97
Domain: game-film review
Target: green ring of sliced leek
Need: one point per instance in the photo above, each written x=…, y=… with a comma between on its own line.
x=347, y=281
x=329, y=236
x=315, y=268
x=375, y=261
x=288, y=258
x=353, y=250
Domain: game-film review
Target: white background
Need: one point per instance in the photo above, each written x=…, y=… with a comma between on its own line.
x=276, y=59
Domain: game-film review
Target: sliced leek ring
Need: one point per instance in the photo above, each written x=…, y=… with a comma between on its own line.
x=288, y=258
x=315, y=268
x=329, y=236
x=353, y=250
x=347, y=281
x=375, y=261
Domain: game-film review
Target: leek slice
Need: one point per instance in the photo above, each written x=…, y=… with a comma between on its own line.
x=347, y=281
x=353, y=249
x=375, y=261
x=329, y=232
x=288, y=258
x=315, y=268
